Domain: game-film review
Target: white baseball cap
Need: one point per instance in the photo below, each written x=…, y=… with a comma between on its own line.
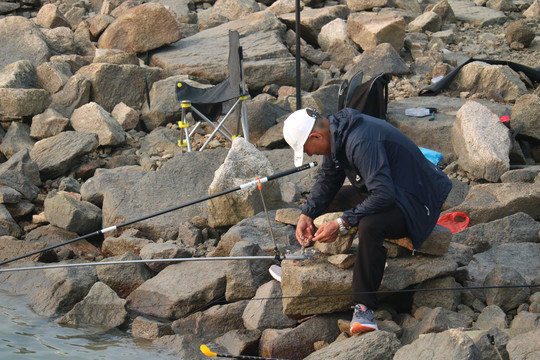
x=296, y=130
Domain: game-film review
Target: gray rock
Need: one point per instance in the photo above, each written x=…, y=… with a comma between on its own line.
x=448, y=300
x=527, y=174
x=52, y=76
x=163, y=251
x=518, y=31
x=124, y=278
x=520, y=257
x=525, y=346
x=19, y=182
x=243, y=164
x=491, y=316
x=489, y=202
x=181, y=179
x=435, y=135
x=480, y=77
x=113, y=84
x=224, y=11
x=92, y=118
x=16, y=139
x=21, y=162
x=516, y=228
x=67, y=211
x=56, y=155
x=22, y=40
x=47, y=124
x=129, y=240
x=51, y=235
x=269, y=61
x=19, y=74
x=525, y=111
x=481, y=142
x=428, y=21
x=468, y=11
x=506, y=299
x=483, y=342
x=76, y=92
x=213, y=322
x=142, y=28
x=266, y=310
x=23, y=102
x=180, y=289
x=371, y=65
x=450, y=344
x=256, y=230
x=9, y=195
x=245, y=277
x=371, y=29
x=149, y=328
x=50, y=16
x=298, y=342
x=100, y=308
x=240, y=341
x=8, y=223
x=374, y=345
x=161, y=141
x=60, y=289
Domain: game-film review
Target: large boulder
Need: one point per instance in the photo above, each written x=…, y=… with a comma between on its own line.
x=101, y=308
x=489, y=202
x=113, y=84
x=180, y=289
x=21, y=39
x=369, y=29
x=480, y=77
x=56, y=155
x=67, y=211
x=142, y=28
x=23, y=102
x=481, y=142
x=243, y=164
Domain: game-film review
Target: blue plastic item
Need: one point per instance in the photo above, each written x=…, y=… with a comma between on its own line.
x=432, y=155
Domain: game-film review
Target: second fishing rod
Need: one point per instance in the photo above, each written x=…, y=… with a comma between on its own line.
x=99, y=233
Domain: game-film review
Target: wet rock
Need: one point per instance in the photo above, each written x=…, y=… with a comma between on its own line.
x=123, y=278
x=149, y=328
x=100, y=308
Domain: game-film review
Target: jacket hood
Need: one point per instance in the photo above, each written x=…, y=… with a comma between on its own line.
x=340, y=125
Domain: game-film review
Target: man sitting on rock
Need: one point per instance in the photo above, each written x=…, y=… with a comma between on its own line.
x=395, y=192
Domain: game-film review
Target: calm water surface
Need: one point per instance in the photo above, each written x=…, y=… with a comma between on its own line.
x=25, y=335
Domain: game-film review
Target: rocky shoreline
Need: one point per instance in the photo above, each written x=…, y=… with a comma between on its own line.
x=84, y=146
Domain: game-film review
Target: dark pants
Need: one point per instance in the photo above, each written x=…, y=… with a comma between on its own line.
x=371, y=254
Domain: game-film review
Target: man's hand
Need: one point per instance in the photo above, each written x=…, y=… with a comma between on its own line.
x=328, y=232
x=304, y=230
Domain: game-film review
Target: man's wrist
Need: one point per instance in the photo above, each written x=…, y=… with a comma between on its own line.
x=343, y=226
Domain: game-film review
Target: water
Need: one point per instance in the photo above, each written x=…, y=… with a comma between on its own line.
x=25, y=335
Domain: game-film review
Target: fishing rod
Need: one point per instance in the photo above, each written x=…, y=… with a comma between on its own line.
x=303, y=256
x=99, y=234
x=206, y=351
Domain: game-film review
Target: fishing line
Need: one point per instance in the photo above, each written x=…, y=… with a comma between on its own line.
x=99, y=234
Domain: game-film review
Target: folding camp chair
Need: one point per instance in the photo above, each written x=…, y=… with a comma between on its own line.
x=233, y=87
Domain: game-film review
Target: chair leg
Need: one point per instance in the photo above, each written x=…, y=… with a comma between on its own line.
x=218, y=127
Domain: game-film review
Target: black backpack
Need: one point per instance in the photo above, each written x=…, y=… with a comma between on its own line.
x=370, y=98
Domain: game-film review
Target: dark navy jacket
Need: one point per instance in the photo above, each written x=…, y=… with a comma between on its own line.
x=374, y=154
